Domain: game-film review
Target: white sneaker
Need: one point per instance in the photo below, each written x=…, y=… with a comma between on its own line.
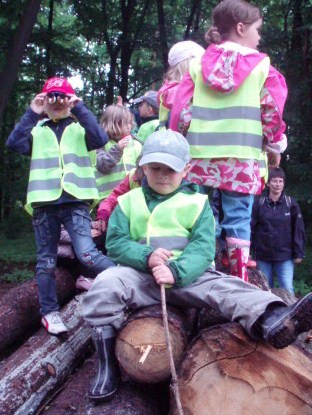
x=53, y=323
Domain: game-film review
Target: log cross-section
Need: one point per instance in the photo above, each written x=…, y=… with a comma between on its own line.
x=225, y=372
x=141, y=347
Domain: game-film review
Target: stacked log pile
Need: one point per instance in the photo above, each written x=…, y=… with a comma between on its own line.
x=42, y=364
x=221, y=370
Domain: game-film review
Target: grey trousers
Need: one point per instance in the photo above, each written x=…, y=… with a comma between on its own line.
x=118, y=289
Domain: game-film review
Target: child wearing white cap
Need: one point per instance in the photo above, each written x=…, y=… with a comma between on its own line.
x=163, y=233
x=179, y=58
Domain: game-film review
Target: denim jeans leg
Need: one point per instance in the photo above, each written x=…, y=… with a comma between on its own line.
x=267, y=268
x=285, y=274
x=47, y=233
x=77, y=222
x=237, y=209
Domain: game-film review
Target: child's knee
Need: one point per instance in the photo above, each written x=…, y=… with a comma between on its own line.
x=88, y=257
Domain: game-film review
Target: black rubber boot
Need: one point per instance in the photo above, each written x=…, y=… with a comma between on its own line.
x=281, y=325
x=105, y=383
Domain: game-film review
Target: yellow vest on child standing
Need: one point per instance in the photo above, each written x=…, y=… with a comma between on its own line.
x=227, y=124
x=107, y=182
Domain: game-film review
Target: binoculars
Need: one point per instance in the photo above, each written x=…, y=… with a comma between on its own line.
x=52, y=97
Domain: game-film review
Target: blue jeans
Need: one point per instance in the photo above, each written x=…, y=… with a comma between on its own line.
x=283, y=269
x=237, y=208
x=47, y=223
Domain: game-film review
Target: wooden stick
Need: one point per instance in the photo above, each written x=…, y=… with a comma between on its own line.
x=174, y=380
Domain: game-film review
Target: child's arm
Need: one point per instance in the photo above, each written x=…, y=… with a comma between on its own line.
x=181, y=111
x=273, y=98
x=107, y=205
x=121, y=248
x=20, y=139
x=298, y=232
x=96, y=137
x=106, y=160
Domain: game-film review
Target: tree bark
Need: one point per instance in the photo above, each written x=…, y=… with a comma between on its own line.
x=162, y=33
x=19, y=308
x=42, y=364
x=49, y=66
x=16, y=51
x=195, y=6
x=141, y=346
x=225, y=371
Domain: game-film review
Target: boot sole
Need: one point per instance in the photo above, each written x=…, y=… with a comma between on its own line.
x=287, y=328
x=102, y=398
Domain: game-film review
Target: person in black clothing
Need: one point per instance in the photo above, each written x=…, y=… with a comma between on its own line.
x=277, y=232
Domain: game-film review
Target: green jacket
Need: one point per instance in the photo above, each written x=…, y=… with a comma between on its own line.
x=195, y=259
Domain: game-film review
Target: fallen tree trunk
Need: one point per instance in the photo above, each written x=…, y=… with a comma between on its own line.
x=19, y=308
x=131, y=399
x=42, y=364
x=141, y=346
x=225, y=372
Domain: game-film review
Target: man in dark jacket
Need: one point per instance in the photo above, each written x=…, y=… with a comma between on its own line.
x=278, y=236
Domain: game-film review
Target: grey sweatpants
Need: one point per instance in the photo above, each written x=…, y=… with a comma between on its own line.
x=118, y=289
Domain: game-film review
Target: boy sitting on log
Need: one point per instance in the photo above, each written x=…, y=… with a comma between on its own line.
x=163, y=233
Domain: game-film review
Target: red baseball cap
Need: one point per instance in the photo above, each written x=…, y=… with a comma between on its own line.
x=56, y=84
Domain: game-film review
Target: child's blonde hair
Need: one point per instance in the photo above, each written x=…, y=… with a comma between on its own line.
x=115, y=120
x=226, y=15
x=177, y=72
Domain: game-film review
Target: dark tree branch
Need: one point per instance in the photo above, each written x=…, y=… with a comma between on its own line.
x=162, y=33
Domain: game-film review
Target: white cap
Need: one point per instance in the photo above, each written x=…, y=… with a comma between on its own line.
x=184, y=50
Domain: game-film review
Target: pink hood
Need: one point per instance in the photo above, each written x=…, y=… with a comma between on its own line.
x=167, y=93
x=224, y=69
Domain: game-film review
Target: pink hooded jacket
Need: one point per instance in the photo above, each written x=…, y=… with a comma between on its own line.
x=224, y=69
x=166, y=94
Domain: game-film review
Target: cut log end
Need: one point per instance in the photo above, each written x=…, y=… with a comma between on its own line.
x=226, y=372
x=142, y=351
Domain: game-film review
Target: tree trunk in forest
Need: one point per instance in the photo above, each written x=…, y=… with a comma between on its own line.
x=141, y=346
x=162, y=33
x=195, y=6
x=16, y=51
x=49, y=66
x=128, y=43
x=225, y=372
x=42, y=363
x=19, y=308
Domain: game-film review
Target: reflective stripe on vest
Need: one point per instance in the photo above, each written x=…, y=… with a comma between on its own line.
x=170, y=223
x=107, y=182
x=227, y=125
x=60, y=166
x=263, y=166
x=168, y=242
